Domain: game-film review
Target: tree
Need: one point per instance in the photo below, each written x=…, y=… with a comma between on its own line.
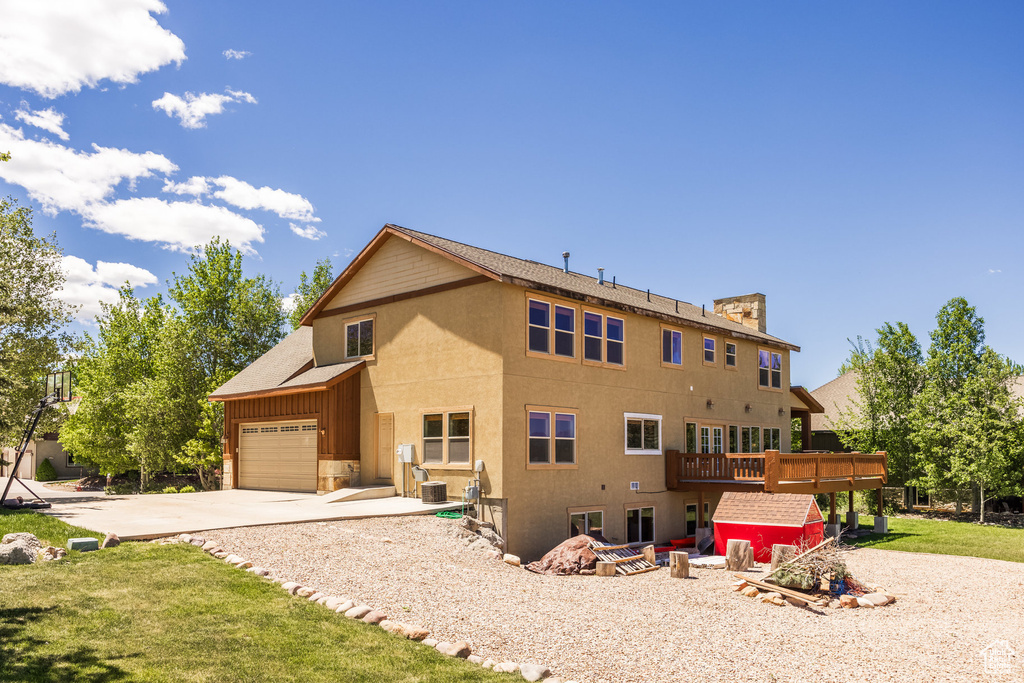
x=889, y=377
x=122, y=356
x=32, y=318
x=309, y=290
x=966, y=423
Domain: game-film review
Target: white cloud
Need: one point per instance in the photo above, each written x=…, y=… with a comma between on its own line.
x=310, y=232
x=243, y=195
x=58, y=46
x=192, y=110
x=176, y=225
x=61, y=178
x=86, y=287
x=288, y=303
x=992, y=271
x=236, y=54
x=49, y=120
x=196, y=186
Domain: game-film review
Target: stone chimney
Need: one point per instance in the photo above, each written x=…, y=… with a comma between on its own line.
x=748, y=310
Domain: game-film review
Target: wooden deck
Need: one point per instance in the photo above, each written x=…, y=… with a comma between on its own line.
x=775, y=472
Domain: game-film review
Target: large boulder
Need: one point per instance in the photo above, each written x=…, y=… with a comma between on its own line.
x=24, y=538
x=17, y=552
x=568, y=557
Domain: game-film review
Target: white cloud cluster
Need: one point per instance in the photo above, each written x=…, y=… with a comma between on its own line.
x=58, y=46
x=192, y=110
x=236, y=54
x=87, y=286
x=310, y=232
x=245, y=196
x=49, y=120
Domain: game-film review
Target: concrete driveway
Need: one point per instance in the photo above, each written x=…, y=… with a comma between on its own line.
x=142, y=517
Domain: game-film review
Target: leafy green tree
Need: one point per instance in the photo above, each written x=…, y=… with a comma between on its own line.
x=889, y=377
x=32, y=318
x=309, y=290
x=121, y=356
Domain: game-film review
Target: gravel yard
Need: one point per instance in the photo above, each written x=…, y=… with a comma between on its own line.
x=650, y=627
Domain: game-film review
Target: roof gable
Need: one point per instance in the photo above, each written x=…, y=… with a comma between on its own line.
x=769, y=509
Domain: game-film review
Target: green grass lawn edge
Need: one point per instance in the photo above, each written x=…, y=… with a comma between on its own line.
x=946, y=538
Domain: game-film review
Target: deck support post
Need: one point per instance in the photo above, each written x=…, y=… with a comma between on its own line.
x=700, y=510
x=832, y=508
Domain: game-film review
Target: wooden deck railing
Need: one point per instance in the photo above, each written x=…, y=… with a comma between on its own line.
x=773, y=471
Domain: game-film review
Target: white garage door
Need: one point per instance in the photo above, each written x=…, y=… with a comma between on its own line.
x=278, y=456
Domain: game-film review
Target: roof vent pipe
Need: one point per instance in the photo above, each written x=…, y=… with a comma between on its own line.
x=600, y=276
x=565, y=255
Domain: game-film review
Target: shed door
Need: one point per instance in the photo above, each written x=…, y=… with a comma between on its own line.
x=278, y=456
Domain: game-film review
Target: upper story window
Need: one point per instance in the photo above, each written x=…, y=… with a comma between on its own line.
x=359, y=338
x=643, y=434
x=730, y=355
x=447, y=438
x=671, y=347
x=604, y=339
x=551, y=328
x=769, y=369
x=709, y=350
x=551, y=436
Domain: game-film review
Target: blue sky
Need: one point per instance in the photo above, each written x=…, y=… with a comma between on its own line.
x=856, y=162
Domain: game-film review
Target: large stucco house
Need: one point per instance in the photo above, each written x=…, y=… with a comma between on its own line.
x=593, y=406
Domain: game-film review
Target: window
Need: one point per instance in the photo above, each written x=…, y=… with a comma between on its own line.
x=268, y=430
x=755, y=439
x=545, y=338
x=709, y=350
x=359, y=338
x=589, y=522
x=730, y=355
x=734, y=439
x=250, y=430
x=691, y=437
x=691, y=519
x=771, y=439
x=710, y=439
x=552, y=438
x=769, y=369
x=447, y=438
x=671, y=347
x=640, y=525
x=604, y=339
x=643, y=434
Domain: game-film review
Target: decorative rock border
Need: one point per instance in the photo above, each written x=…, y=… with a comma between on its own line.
x=367, y=614
x=877, y=598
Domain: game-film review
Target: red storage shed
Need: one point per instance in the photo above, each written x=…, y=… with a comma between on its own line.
x=765, y=519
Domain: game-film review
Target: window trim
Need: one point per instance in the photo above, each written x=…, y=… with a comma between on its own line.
x=735, y=355
x=355, y=321
x=626, y=417
x=603, y=363
x=444, y=464
x=714, y=352
x=552, y=465
x=661, y=355
x=552, y=303
x=639, y=505
x=771, y=353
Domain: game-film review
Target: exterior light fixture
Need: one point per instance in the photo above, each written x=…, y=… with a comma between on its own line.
x=782, y=411
x=711, y=404
x=746, y=408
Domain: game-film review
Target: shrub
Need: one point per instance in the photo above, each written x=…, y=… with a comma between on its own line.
x=170, y=489
x=119, y=489
x=187, y=489
x=45, y=471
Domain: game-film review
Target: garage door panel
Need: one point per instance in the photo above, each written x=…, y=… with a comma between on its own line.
x=278, y=456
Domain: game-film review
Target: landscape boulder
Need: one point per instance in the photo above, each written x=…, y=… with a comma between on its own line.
x=111, y=541
x=573, y=556
x=534, y=672
x=24, y=538
x=18, y=552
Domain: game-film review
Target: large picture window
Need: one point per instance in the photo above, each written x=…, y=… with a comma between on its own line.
x=447, y=438
x=359, y=338
x=640, y=525
x=769, y=369
x=551, y=436
x=643, y=434
x=604, y=339
x=551, y=329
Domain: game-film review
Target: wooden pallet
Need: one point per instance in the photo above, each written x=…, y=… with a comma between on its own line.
x=626, y=560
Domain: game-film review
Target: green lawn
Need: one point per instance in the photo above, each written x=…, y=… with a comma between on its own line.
x=144, y=612
x=947, y=538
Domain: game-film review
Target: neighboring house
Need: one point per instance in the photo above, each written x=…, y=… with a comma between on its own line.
x=576, y=393
x=45, y=448
x=835, y=398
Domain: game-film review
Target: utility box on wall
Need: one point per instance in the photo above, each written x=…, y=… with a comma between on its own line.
x=404, y=452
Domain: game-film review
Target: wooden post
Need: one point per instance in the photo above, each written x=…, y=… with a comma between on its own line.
x=679, y=565
x=782, y=553
x=606, y=569
x=700, y=511
x=850, y=507
x=648, y=553
x=832, y=508
x=671, y=470
x=738, y=555
x=881, y=510
x=805, y=431
x=771, y=471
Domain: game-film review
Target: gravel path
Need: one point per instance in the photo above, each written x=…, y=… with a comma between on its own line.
x=650, y=627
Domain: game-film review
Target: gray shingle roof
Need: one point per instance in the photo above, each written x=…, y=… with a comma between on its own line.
x=834, y=397
x=578, y=286
x=273, y=369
